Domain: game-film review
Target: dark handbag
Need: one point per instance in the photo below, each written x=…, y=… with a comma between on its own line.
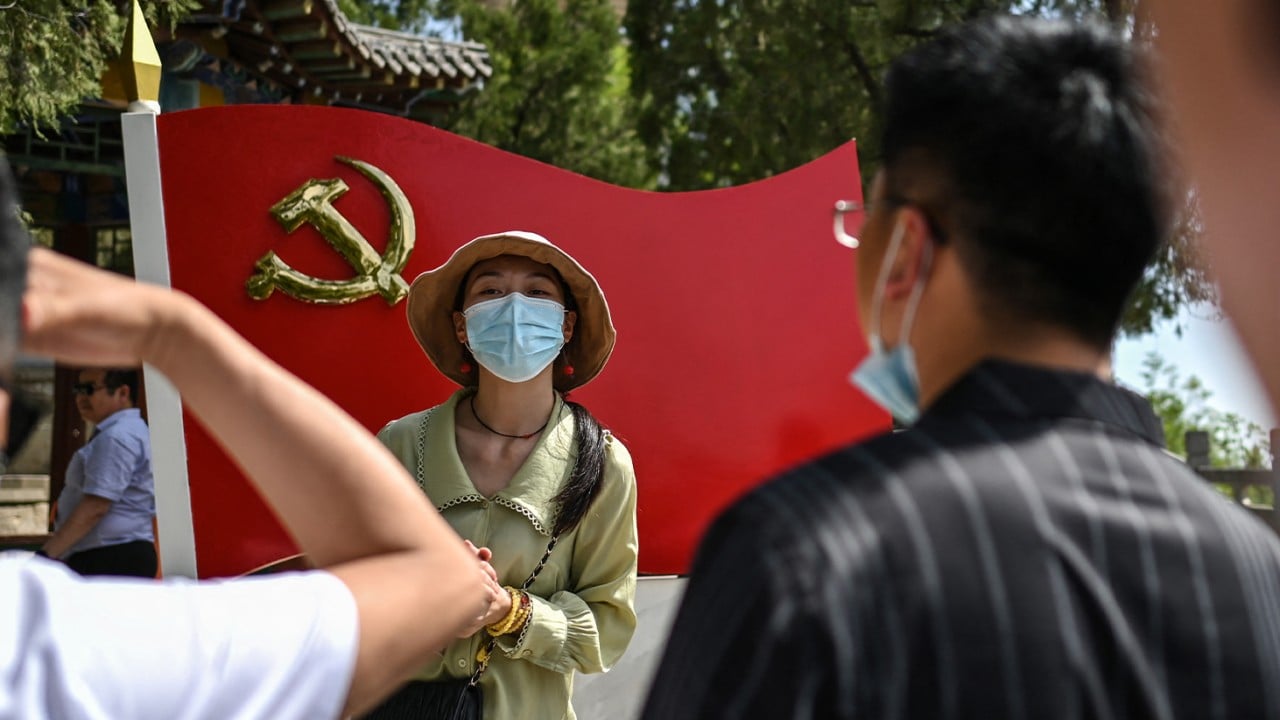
x=421, y=700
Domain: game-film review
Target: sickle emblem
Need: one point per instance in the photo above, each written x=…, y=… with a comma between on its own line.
x=312, y=203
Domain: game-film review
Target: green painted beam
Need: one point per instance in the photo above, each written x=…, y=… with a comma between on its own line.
x=329, y=68
x=43, y=163
x=315, y=50
x=287, y=9
x=298, y=30
x=357, y=75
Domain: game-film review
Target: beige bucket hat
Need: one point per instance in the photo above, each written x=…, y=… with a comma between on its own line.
x=433, y=294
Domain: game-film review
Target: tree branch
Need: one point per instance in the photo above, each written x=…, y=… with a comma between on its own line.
x=862, y=69
x=518, y=126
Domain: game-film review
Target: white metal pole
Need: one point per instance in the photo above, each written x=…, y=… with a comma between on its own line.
x=164, y=405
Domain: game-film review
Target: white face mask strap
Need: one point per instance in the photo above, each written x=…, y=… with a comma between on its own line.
x=877, y=298
x=916, y=293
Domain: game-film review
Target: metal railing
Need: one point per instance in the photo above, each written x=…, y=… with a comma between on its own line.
x=1237, y=480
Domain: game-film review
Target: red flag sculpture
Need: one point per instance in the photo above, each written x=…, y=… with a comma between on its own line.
x=735, y=308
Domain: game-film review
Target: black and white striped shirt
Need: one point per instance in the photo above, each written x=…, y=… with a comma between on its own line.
x=1026, y=551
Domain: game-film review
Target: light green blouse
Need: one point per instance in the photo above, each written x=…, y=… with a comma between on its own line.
x=583, y=600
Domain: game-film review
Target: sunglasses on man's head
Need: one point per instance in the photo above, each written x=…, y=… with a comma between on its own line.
x=86, y=388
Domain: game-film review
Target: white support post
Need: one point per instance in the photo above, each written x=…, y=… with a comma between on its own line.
x=164, y=405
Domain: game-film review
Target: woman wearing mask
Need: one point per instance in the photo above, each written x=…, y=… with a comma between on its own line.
x=545, y=495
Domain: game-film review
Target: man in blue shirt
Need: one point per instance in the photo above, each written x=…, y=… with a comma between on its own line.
x=105, y=511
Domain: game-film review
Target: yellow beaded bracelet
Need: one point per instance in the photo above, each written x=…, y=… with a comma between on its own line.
x=519, y=600
x=525, y=611
x=515, y=624
x=504, y=626
x=525, y=614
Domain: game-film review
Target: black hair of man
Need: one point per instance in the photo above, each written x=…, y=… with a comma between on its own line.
x=115, y=377
x=14, y=243
x=1032, y=146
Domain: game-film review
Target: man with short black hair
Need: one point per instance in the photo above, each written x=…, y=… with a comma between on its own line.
x=1025, y=549
x=106, y=507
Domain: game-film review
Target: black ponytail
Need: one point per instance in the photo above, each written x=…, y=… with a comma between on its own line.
x=588, y=471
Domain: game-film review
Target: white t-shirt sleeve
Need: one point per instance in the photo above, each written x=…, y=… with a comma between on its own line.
x=279, y=646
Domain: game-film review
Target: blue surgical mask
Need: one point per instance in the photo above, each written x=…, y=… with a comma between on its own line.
x=515, y=337
x=889, y=377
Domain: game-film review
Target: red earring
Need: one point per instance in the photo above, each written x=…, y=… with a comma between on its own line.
x=568, y=368
x=465, y=368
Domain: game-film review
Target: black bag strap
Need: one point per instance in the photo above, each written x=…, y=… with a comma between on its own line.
x=493, y=642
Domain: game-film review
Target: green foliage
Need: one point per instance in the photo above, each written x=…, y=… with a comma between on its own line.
x=737, y=90
x=1182, y=404
x=406, y=15
x=740, y=90
x=559, y=91
x=733, y=91
x=1178, y=278
x=53, y=53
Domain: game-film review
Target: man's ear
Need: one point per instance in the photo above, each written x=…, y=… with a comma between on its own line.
x=908, y=262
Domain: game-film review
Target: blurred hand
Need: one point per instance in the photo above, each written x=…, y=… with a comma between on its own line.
x=499, y=598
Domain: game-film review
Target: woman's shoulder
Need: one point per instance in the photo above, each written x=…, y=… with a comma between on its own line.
x=617, y=459
x=613, y=509
x=409, y=425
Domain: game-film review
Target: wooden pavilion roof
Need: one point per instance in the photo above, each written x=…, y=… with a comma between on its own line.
x=301, y=48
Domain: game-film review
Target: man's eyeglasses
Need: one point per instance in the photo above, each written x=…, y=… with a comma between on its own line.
x=86, y=388
x=844, y=207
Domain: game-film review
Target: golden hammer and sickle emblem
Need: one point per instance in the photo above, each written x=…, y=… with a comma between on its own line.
x=312, y=203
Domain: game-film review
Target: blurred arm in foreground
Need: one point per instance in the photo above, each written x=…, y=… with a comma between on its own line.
x=1220, y=67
